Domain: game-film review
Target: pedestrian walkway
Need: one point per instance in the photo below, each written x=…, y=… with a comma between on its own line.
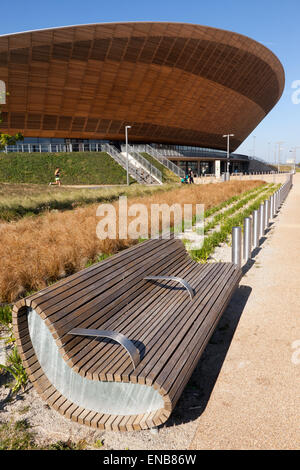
x=255, y=401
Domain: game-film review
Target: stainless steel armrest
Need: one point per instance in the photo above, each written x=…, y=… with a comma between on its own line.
x=185, y=284
x=118, y=337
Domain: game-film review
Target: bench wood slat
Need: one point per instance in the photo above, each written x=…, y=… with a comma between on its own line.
x=128, y=321
x=169, y=328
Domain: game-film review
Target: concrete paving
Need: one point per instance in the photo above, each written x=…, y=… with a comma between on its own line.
x=255, y=400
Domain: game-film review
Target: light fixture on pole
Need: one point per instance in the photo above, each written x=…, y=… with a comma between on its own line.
x=279, y=149
x=126, y=140
x=228, y=151
x=294, y=151
x=289, y=162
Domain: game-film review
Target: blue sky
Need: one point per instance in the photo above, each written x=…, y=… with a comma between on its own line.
x=274, y=23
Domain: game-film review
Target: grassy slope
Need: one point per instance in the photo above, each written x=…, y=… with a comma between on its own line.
x=168, y=175
x=76, y=168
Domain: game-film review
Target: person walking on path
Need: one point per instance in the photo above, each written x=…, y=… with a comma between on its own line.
x=57, y=177
x=191, y=176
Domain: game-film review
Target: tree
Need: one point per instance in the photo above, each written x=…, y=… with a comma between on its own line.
x=6, y=139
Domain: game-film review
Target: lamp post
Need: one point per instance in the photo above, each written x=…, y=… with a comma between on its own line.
x=126, y=140
x=279, y=149
x=294, y=151
x=228, y=151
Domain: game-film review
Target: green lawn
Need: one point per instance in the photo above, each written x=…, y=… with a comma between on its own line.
x=76, y=168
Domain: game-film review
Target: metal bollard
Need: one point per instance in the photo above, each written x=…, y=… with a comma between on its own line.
x=276, y=202
x=236, y=253
x=247, y=239
x=255, y=228
x=272, y=206
x=261, y=220
x=266, y=222
x=279, y=198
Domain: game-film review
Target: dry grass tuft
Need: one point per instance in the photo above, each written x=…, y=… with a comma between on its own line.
x=39, y=250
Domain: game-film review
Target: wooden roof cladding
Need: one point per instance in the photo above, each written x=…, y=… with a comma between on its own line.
x=174, y=83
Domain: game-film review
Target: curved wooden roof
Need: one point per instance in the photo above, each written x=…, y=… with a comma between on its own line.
x=172, y=82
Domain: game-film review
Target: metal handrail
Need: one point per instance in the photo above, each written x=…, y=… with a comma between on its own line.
x=118, y=157
x=118, y=337
x=160, y=158
x=151, y=169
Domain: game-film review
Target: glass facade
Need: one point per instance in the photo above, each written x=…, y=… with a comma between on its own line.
x=54, y=140
x=198, y=168
x=196, y=151
x=189, y=149
x=201, y=168
x=52, y=144
x=202, y=160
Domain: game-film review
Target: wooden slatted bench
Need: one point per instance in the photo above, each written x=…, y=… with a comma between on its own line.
x=114, y=345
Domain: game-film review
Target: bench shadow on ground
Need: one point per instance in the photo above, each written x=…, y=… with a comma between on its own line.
x=197, y=392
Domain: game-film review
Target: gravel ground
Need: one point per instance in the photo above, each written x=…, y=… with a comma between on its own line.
x=50, y=427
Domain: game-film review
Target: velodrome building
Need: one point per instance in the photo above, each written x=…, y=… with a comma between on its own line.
x=181, y=88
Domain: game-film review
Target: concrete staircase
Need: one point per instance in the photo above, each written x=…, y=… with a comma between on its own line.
x=139, y=168
x=152, y=174
x=160, y=158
